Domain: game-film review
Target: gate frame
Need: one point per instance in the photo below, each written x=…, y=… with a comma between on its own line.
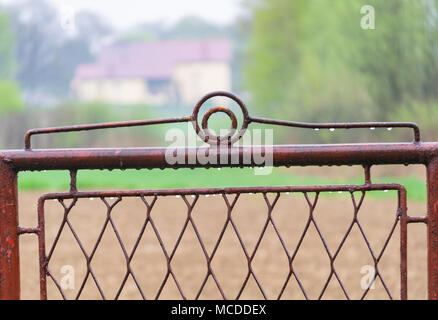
x=14, y=161
x=366, y=155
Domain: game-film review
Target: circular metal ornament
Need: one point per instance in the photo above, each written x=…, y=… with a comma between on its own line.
x=206, y=134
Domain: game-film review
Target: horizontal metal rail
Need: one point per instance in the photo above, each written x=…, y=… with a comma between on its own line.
x=282, y=155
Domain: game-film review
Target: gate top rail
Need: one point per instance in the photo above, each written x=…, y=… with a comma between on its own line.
x=282, y=155
x=233, y=135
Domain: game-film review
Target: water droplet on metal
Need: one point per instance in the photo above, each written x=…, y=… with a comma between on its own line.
x=389, y=129
x=332, y=129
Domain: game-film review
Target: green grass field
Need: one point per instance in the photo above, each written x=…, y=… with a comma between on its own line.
x=187, y=178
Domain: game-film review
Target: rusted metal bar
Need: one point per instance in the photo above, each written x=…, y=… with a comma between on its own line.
x=42, y=250
x=403, y=244
x=367, y=173
x=229, y=190
x=283, y=155
x=351, y=125
x=432, y=228
x=27, y=230
x=95, y=126
x=73, y=177
x=416, y=220
x=9, y=253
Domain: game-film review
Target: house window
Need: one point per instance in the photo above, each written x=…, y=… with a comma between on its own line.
x=158, y=85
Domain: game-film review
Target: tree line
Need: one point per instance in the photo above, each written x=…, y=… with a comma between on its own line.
x=310, y=60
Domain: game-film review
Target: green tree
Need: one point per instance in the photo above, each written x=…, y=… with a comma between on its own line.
x=9, y=90
x=310, y=60
x=7, y=65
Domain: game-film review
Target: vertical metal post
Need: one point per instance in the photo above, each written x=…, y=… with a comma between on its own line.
x=9, y=253
x=432, y=228
x=402, y=206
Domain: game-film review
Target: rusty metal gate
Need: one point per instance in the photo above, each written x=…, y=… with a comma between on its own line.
x=366, y=155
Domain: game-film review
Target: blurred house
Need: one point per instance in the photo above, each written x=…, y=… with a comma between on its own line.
x=156, y=73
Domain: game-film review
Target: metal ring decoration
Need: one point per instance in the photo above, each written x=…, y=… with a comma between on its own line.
x=205, y=133
x=210, y=134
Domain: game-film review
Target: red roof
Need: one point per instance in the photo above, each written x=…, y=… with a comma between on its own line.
x=153, y=60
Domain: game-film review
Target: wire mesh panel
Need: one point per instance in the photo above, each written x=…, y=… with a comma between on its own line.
x=230, y=197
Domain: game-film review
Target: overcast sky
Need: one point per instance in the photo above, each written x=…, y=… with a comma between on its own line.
x=126, y=13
